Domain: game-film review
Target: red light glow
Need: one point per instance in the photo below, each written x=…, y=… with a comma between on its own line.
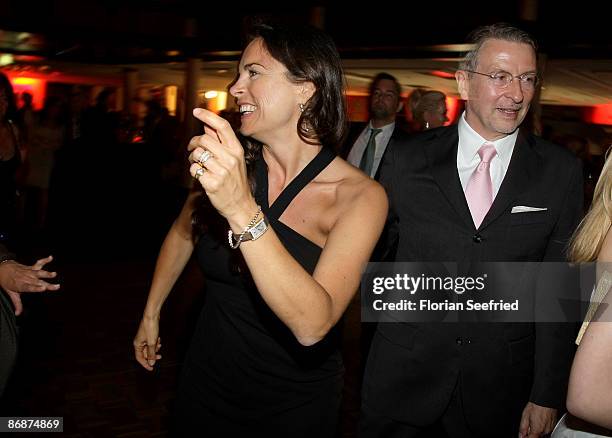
x=443, y=74
x=599, y=114
x=36, y=87
x=452, y=110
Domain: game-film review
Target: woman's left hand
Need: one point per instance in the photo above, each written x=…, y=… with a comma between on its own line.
x=223, y=175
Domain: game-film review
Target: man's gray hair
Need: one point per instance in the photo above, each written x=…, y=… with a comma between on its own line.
x=497, y=31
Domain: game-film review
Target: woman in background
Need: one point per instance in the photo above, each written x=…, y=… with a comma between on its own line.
x=428, y=108
x=590, y=387
x=11, y=157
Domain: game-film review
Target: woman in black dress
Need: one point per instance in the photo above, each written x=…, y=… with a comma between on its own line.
x=283, y=231
x=10, y=160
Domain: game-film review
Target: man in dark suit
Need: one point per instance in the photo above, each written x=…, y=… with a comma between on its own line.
x=365, y=147
x=483, y=190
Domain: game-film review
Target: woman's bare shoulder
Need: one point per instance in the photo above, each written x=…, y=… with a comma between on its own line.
x=355, y=189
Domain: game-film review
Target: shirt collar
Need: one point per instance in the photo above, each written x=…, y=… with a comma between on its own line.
x=385, y=129
x=470, y=141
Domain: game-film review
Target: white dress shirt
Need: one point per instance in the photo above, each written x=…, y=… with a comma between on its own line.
x=468, y=159
x=382, y=140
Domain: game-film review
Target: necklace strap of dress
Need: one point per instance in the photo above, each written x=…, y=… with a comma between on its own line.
x=312, y=169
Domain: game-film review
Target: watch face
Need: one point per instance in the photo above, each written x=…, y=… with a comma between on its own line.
x=258, y=229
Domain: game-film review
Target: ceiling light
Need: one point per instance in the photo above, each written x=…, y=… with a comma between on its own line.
x=442, y=74
x=6, y=59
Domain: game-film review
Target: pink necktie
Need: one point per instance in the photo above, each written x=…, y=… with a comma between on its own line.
x=479, y=191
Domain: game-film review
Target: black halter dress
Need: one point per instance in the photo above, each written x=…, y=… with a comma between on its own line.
x=245, y=373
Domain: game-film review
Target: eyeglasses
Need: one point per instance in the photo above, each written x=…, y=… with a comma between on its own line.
x=503, y=79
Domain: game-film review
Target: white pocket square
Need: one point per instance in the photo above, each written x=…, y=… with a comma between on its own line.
x=525, y=209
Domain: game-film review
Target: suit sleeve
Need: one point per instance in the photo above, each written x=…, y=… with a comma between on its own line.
x=555, y=341
x=386, y=247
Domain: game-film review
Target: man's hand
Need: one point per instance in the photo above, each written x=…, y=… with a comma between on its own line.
x=537, y=421
x=16, y=278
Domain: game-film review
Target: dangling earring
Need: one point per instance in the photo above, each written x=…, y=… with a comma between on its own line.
x=306, y=128
x=426, y=125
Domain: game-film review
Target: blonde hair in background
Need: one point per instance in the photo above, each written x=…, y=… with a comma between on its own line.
x=421, y=101
x=591, y=232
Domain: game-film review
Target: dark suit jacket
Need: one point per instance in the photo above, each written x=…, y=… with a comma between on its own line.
x=413, y=369
x=399, y=136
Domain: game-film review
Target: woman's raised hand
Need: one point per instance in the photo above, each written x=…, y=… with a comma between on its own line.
x=218, y=164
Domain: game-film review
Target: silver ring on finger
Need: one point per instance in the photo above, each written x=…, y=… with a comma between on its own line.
x=198, y=173
x=206, y=155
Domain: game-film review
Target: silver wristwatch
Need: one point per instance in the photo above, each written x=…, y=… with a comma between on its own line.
x=257, y=230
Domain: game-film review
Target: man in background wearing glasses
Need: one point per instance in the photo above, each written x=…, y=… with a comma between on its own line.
x=481, y=191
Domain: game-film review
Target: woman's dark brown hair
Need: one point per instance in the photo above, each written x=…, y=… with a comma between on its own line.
x=309, y=55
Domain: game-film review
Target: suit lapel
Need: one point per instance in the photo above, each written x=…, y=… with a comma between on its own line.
x=523, y=166
x=392, y=140
x=355, y=130
x=442, y=157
